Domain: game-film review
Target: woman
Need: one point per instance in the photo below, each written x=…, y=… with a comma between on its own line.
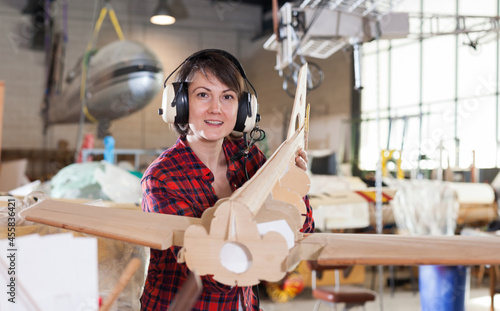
x=202, y=167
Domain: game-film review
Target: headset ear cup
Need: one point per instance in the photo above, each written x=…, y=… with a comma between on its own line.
x=247, y=113
x=175, y=103
x=251, y=120
x=169, y=110
x=242, y=114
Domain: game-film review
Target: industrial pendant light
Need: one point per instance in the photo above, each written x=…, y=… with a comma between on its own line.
x=162, y=14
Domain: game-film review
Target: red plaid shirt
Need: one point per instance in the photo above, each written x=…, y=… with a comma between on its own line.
x=177, y=182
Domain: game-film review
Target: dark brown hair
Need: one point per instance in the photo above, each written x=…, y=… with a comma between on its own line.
x=216, y=64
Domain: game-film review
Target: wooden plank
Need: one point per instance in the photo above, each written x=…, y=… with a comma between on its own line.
x=384, y=249
x=155, y=230
x=476, y=213
x=351, y=196
x=336, y=198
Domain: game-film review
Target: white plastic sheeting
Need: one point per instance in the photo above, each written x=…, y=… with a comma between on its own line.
x=425, y=207
x=96, y=180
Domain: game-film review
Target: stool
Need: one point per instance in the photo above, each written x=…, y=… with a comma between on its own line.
x=351, y=296
x=494, y=287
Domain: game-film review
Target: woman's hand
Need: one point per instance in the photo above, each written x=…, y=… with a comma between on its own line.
x=301, y=159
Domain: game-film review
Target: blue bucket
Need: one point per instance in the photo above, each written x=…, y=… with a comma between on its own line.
x=442, y=288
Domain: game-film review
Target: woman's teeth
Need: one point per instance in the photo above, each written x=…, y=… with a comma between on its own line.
x=214, y=122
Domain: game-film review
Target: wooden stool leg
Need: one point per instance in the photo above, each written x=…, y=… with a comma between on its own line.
x=493, y=282
x=480, y=275
x=414, y=288
x=392, y=277
x=372, y=287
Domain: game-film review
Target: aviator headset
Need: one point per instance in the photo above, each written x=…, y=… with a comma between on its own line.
x=175, y=104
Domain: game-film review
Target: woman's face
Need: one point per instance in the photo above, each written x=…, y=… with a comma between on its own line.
x=212, y=108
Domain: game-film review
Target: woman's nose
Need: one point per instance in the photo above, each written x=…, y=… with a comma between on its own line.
x=215, y=106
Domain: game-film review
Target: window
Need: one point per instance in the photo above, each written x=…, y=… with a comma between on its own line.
x=438, y=57
x=476, y=131
x=438, y=96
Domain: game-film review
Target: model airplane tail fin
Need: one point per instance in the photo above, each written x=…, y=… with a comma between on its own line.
x=298, y=117
x=256, y=191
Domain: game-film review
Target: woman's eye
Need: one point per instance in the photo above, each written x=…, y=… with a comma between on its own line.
x=228, y=97
x=202, y=94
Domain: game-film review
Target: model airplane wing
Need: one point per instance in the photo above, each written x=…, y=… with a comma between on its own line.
x=254, y=234
x=153, y=230
x=161, y=231
x=390, y=249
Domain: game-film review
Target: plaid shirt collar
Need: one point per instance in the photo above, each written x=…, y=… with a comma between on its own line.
x=193, y=166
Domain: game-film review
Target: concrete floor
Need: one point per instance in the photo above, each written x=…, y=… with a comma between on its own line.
x=403, y=299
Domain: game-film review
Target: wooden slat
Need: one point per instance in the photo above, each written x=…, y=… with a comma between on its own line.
x=351, y=196
x=384, y=249
x=155, y=230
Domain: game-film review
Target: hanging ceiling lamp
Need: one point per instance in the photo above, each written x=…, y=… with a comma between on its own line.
x=162, y=14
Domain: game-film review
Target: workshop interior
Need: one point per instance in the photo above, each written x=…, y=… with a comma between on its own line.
x=396, y=103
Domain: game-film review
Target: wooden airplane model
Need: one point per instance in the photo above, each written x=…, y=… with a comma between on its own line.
x=254, y=234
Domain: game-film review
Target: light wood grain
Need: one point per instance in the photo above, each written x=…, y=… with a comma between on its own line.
x=298, y=117
x=148, y=229
x=235, y=219
x=235, y=224
x=384, y=249
x=254, y=192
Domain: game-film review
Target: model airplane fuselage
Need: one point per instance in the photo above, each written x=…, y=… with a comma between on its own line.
x=123, y=77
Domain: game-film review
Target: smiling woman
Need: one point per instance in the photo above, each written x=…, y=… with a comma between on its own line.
x=211, y=64
x=206, y=104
